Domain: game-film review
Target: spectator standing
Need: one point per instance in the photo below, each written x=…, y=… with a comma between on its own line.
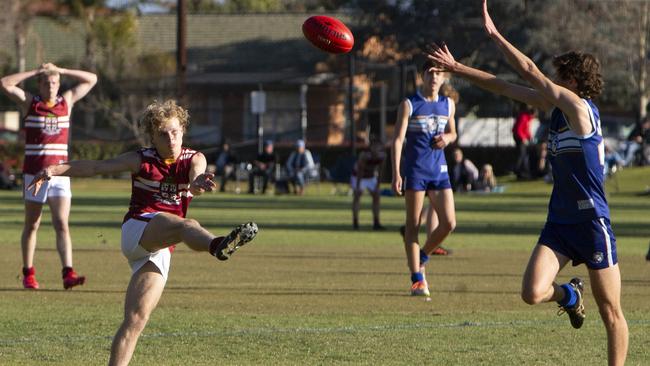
x=263, y=166
x=522, y=136
x=300, y=166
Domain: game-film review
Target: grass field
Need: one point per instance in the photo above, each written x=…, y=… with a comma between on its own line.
x=310, y=290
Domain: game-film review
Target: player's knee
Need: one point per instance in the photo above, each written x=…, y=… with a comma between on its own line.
x=447, y=225
x=531, y=296
x=32, y=225
x=611, y=315
x=136, y=321
x=190, y=224
x=60, y=224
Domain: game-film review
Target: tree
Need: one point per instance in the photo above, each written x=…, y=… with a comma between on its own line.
x=618, y=35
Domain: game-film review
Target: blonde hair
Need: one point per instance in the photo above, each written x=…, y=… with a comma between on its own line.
x=487, y=176
x=47, y=73
x=158, y=113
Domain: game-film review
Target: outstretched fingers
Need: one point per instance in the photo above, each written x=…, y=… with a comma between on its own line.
x=36, y=184
x=441, y=56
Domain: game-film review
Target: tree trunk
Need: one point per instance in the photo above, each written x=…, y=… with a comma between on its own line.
x=644, y=30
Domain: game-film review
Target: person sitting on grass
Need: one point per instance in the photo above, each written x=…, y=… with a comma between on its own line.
x=164, y=177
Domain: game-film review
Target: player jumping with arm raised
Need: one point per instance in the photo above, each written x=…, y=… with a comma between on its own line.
x=577, y=227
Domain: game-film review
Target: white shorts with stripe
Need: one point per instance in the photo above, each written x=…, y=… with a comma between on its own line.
x=132, y=231
x=55, y=187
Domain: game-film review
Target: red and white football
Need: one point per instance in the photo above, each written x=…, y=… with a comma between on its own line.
x=328, y=33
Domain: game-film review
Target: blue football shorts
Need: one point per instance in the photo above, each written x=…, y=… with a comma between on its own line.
x=591, y=242
x=426, y=184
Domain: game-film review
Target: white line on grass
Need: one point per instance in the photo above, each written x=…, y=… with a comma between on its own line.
x=316, y=330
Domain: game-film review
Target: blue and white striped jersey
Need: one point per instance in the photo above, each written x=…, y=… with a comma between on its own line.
x=577, y=163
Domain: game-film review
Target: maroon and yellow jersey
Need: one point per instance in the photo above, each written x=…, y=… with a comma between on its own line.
x=160, y=187
x=371, y=165
x=46, y=134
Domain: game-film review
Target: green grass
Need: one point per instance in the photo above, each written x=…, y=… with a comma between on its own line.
x=312, y=291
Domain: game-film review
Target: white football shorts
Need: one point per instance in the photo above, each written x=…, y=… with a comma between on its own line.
x=55, y=187
x=366, y=183
x=132, y=231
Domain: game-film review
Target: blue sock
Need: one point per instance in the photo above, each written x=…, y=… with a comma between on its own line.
x=416, y=276
x=424, y=258
x=570, y=298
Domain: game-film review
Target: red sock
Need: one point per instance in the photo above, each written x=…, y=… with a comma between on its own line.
x=28, y=271
x=66, y=271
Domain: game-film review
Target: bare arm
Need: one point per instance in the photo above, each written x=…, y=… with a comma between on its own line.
x=566, y=100
x=398, y=141
x=446, y=62
x=87, y=168
x=9, y=85
x=87, y=81
x=200, y=181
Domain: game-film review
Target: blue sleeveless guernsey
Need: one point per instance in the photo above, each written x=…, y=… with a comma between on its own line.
x=577, y=163
x=424, y=167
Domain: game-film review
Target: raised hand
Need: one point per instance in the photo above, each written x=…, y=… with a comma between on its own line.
x=490, y=28
x=203, y=183
x=441, y=56
x=37, y=182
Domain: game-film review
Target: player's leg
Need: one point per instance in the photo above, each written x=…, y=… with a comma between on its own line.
x=538, y=284
x=356, y=202
x=171, y=229
x=414, y=201
x=60, y=209
x=606, y=287
x=142, y=295
x=33, y=211
x=442, y=201
x=376, y=223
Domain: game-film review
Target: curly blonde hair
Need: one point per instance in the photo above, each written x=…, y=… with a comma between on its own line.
x=584, y=68
x=158, y=113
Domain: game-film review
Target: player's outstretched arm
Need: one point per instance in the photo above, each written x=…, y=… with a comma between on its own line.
x=87, y=168
x=447, y=63
x=566, y=100
x=200, y=181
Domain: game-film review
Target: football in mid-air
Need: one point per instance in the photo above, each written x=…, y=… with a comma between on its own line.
x=328, y=33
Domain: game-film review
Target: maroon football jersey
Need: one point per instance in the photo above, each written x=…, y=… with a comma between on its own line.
x=160, y=187
x=46, y=134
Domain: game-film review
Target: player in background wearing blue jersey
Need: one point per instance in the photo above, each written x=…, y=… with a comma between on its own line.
x=577, y=228
x=426, y=121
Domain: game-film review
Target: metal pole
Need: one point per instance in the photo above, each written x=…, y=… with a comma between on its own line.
x=353, y=127
x=260, y=126
x=382, y=111
x=303, y=110
x=181, y=47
